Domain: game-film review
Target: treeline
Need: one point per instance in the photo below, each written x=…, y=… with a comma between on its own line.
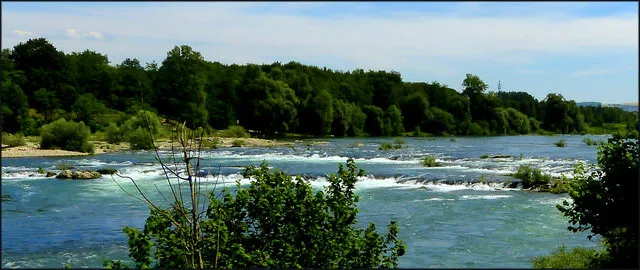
x=41, y=84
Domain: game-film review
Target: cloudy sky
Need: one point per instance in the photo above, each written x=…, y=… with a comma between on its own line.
x=587, y=51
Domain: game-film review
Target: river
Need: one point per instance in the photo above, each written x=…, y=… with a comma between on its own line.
x=447, y=218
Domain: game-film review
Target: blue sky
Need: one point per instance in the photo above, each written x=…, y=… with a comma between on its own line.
x=586, y=51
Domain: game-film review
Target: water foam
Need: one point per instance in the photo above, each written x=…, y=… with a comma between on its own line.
x=484, y=197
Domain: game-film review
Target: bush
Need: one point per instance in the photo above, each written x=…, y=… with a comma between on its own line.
x=13, y=140
x=560, y=143
x=235, y=132
x=69, y=135
x=430, y=161
x=578, y=257
x=531, y=177
x=237, y=143
x=484, y=156
x=140, y=140
x=114, y=134
x=64, y=166
x=589, y=141
x=399, y=141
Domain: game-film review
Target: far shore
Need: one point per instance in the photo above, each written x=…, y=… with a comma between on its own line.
x=32, y=149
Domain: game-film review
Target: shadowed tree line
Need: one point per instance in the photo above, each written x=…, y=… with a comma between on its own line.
x=42, y=84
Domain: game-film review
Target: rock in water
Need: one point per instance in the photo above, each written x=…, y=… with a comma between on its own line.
x=51, y=174
x=81, y=175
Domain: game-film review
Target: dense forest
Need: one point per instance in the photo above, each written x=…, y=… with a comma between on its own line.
x=41, y=84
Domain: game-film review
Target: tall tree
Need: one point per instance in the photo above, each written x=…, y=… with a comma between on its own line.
x=180, y=86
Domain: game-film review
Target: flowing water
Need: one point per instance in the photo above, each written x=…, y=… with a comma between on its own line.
x=446, y=215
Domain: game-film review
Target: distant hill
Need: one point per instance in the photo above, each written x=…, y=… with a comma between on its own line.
x=629, y=106
x=584, y=104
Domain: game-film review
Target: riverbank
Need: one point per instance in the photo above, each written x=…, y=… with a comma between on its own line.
x=32, y=149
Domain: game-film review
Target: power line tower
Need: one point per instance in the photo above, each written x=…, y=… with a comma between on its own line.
x=499, y=86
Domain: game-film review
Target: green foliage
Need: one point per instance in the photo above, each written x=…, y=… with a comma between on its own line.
x=114, y=134
x=578, y=257
x=140, y=139
x=13, y=140
x=605, y=202
x=484, y=156
x=235, y=132
x=430, y=161
x=64, y=166
x=590, y=141
x=237, y=143
x=532, y=177
x=45, y=84
x=399, y=141
x=275, y=222
x=69, y=135
x=560, y=143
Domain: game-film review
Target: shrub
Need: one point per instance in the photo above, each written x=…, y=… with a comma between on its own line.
x=560, y=143
x=114, y=134
x=69, y=135
x=531, y=177
x=430, y=161
x=139, y=139
x=399, y=141
x=64, y=166
x=235, y=132
x=452, y=139
x=13, y=140
x=237, y=143
x=385, y=146
x=484, y=156
x=578, y=257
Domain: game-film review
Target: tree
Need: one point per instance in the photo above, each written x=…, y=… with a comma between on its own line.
x=180, y=87
x=473, y=85
x=43, y=65
x=415, y=110
x=606, y=202
x=276, y=222
x=393, y=124
x=323, y=112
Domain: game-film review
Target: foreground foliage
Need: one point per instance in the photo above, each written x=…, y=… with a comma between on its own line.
x=578, y=257
x=605, y=203
x=276, y=222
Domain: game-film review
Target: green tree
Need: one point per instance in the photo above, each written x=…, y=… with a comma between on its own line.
x=472, y=86
x=605, y=202
x=88, y=108
x=180, y=87
x=393, y=124
x=323, y=112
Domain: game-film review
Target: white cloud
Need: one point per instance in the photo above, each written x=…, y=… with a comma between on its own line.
x=96, y=35
x=72, y=33
x=421, y=42
x=23, y=33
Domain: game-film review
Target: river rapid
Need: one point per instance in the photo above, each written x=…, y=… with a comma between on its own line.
x=447, y=217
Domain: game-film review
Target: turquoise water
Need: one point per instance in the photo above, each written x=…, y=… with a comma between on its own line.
x=446, y=217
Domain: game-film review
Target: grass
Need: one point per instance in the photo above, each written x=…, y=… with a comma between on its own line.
x=430, y=161
x=452, y=139
x=399, y=141
x=13, y=140
x=560, y=143
x=578, y=257
x=484, y=156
